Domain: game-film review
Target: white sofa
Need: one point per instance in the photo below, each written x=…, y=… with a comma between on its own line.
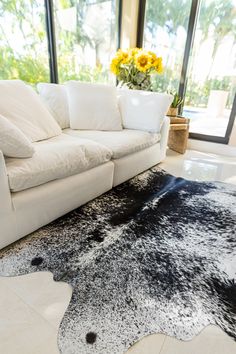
x=109, y=158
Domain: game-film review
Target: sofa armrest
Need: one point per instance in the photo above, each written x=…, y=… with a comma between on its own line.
x=164, y=136
x=5, y=194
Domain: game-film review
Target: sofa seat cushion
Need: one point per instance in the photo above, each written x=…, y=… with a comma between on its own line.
x=121, y=143
x=55, y=158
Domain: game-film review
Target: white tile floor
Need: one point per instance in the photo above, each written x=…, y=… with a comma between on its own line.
x=32, y=306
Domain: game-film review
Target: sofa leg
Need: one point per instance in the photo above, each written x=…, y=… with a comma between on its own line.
x=164, y=137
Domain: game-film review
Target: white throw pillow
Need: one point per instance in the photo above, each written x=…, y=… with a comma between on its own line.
x=143, y=110
x=55, y=98
x=23, y=107
x=13, y=143
x=93, y=106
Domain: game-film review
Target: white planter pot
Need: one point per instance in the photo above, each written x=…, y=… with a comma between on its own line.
x=217, y=102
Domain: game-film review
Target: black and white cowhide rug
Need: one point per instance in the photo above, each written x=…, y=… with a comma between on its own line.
x=156, y=254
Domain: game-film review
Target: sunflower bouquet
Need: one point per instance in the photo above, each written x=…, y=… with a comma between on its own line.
x=134, y=67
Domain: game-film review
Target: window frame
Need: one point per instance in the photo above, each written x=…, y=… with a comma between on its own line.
x=52, y=51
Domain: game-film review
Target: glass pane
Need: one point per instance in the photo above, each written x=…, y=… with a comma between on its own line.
x=86, y=39
x=212, y=69
x=23, y=41
x=165, y=32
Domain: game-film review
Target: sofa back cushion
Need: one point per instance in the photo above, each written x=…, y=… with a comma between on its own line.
x=143, y=110
x=55, y=98
x=13, y=143
x=23, y=107
x=93, y=106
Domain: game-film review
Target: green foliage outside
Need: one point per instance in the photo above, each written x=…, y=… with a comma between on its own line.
x=20, y=29
x=30, y=61
x=25, y=67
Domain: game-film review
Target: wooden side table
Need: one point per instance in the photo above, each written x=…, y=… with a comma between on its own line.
x=178, y=134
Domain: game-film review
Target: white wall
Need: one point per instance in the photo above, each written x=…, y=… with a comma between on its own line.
x=129, y=23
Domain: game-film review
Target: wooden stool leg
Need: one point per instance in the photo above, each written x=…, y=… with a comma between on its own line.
x=178, y=140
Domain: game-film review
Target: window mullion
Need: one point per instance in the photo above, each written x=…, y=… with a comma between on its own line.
x=51, y=41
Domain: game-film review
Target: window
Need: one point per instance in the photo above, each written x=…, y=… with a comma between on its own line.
x=23, y=41
x=165, y=32
x=196, y=39
x=212, y=69
x=86, y=33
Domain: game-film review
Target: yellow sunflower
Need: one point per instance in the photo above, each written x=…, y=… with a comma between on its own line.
x=153, y=58
x=123, y=56
x=115, y=63
x=158, y=65
x=143, y=61
x=134, y=51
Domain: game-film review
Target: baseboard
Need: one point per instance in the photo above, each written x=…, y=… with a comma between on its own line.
x=214, y=148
